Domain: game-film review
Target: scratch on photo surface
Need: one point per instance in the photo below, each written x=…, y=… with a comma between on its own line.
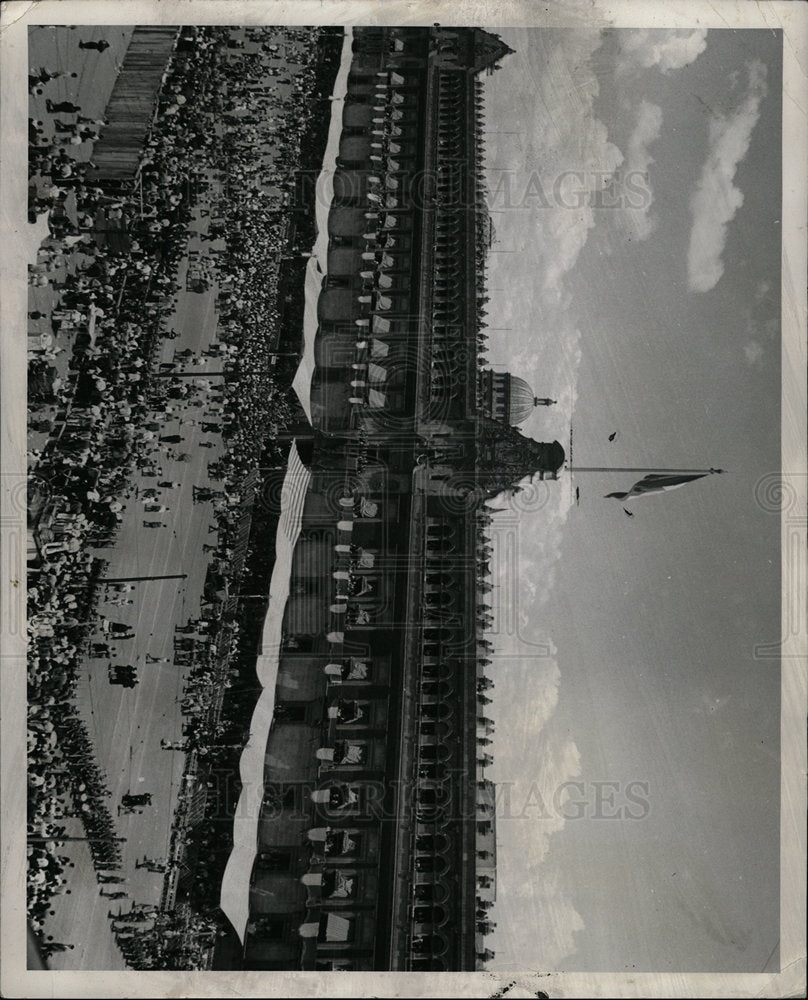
x=21, y=16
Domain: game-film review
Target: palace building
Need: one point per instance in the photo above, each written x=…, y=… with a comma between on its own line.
x=376, y=840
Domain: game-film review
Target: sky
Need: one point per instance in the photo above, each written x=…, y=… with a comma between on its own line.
x=634, y=183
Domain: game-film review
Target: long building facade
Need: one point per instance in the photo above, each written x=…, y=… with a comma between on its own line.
x=376, y=840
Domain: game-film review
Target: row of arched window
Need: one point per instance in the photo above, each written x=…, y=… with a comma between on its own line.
x=433, y=856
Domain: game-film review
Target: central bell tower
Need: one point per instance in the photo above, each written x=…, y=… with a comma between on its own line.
x=505, y=456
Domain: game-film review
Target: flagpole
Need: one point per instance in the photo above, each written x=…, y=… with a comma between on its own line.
x=667, y=472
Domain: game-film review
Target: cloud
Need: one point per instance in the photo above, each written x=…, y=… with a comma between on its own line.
x=532, y=767
x=716, y=200
x=668, y=50
x=533, y=759
x=639, y=220
x=551, y=913
x=762, y=289
x=753, y=351
x=759, y=328
x=562, y=152
x=540, y=172
x=532, y=778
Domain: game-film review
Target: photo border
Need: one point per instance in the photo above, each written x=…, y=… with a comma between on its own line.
x=18, y=239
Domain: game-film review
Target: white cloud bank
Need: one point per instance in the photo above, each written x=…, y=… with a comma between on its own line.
x=572, y=147
x=716, y=199
x=753, y=352
x=541, y=184
x=639, y=221
x=534, y=761
x=665, y=49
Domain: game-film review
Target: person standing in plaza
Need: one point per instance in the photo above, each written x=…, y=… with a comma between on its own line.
x=99, y=46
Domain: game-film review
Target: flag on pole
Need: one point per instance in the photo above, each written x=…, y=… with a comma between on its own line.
x=657, y=483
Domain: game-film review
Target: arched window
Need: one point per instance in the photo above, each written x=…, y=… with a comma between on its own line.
x=435, y=944
x=440, y=599
x=431, y=843
x=440, y=530
x=428, y=863
x=436, y=689
x=439, y=545
x=435, y=711
x=430, y=892
x=431, y=771
x=429, y=914
x=434, y=751
x=437, y=634
x=427, y=965
x=430, y=728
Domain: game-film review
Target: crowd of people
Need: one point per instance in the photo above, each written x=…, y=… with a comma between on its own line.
x=99, y=397
x=107, y=301
x=171, y=939
x=64, y=781
x=265, y=134
x=63, y=776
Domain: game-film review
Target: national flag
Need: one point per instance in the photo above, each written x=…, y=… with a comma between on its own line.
x=657, y=482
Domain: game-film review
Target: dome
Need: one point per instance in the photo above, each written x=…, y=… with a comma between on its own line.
x=521, y=400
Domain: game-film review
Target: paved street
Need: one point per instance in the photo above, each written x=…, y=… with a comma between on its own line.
x=128, y=724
